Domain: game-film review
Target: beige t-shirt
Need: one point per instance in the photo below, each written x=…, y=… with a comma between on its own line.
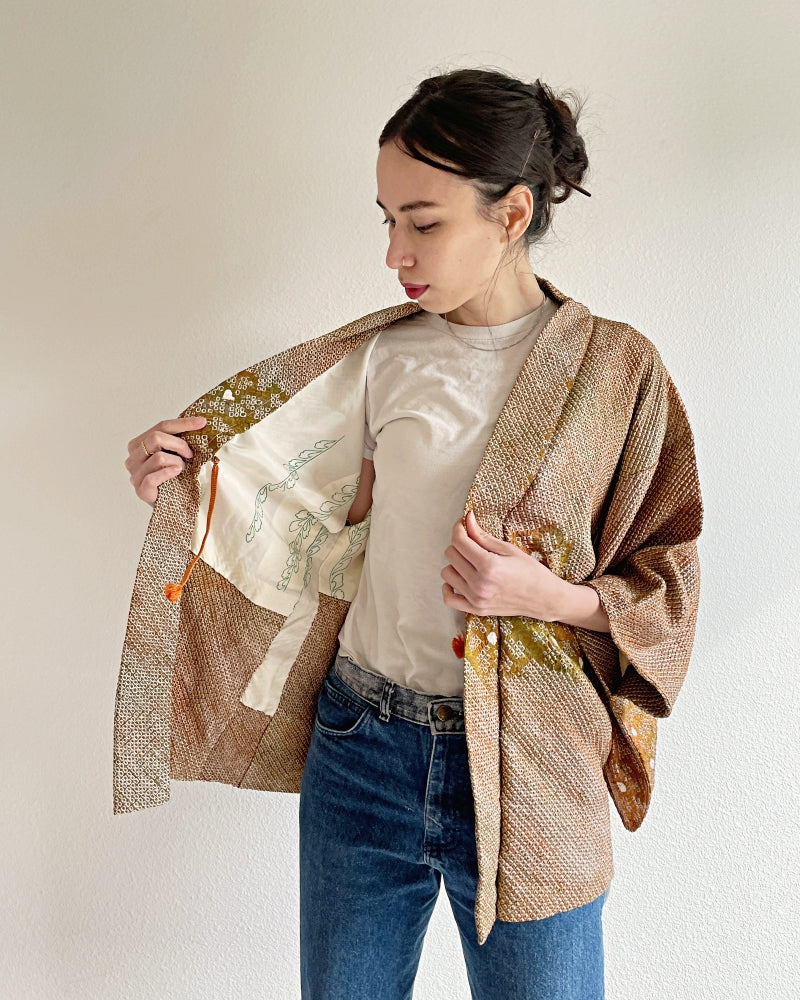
x=433, y=398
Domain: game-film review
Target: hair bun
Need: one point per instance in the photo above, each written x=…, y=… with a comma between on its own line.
x=570, y=161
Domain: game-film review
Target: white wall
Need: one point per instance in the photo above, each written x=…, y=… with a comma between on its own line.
x=186, y=187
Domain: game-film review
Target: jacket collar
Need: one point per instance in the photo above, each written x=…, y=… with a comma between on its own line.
x=529, y=417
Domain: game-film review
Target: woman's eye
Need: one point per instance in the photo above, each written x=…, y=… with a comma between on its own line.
x=419, y=229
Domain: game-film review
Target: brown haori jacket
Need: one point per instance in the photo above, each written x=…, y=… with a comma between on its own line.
x=590, y=468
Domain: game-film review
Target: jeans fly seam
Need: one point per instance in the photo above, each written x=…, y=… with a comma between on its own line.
x=425, y=853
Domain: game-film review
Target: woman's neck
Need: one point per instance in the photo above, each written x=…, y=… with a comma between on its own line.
x=516, y=296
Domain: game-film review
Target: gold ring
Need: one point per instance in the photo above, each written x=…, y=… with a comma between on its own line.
x=145, y=448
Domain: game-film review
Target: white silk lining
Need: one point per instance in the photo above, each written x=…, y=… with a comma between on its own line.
x=284, y=490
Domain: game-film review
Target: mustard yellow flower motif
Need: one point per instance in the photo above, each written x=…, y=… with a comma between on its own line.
x=230, y=407
x=512, y=644
x=549, y=644
x=548, y=544
x=481, y=644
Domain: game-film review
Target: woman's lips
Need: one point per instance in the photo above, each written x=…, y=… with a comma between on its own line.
x=414, y=291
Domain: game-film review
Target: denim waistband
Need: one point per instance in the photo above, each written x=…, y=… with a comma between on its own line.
x=444, y=714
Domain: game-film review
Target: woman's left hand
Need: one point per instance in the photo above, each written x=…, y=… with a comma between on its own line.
x=486, y=576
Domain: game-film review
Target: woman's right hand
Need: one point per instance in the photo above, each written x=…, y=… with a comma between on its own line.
x=159, y=454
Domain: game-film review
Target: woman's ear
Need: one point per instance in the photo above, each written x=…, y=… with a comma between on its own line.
x=517, y=211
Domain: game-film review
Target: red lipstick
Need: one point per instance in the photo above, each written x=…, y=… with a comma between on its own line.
x=414, y=291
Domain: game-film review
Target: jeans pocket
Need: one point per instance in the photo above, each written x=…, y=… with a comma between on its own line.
x=339, y=712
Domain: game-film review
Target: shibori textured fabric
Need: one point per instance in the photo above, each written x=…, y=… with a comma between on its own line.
x=590, y=468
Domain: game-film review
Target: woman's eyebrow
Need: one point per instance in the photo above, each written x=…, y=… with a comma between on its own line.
x=411, y=205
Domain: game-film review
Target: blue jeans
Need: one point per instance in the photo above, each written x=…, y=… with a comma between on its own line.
x=386, y=810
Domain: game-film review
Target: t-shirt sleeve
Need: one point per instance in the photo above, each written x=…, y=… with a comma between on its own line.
x=369, y=440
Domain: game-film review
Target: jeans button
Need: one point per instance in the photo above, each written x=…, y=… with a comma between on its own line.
x=444, y=712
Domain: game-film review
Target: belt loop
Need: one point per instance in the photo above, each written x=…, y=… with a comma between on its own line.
x=386, y=694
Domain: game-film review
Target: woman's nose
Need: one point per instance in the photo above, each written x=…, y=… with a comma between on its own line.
x=396, y=257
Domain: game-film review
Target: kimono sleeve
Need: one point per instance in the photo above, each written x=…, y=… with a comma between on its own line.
x=648, y=570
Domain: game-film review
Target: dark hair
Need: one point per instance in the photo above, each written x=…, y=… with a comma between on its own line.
x=496, y=131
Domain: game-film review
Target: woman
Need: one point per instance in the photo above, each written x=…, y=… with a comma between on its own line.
x=458, y=694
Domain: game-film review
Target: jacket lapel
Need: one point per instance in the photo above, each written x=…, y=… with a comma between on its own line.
x=509, y=467
x=528, y=420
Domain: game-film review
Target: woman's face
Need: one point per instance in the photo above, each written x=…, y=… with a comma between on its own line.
x=445, y=253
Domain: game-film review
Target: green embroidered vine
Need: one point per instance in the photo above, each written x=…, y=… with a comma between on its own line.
x=301, y=525
x=320, y=539
x=356, y=534
x=294, y=465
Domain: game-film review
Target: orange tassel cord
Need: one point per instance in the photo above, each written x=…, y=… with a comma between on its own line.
x=173, y=591
x=458, y=645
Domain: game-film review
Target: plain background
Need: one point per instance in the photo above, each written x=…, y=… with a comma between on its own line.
x=186, y=187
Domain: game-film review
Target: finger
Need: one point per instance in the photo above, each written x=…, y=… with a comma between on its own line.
x=471, y=550
x=154, y=441
x=164, y=436
x=460, y=563
x=486, y=541
x=456, y=581
x=454, y=600
x=180, y=425
x=139, y=465
x=158, y=468
x=161, y=441
x=145, y=476
x=148, y=487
